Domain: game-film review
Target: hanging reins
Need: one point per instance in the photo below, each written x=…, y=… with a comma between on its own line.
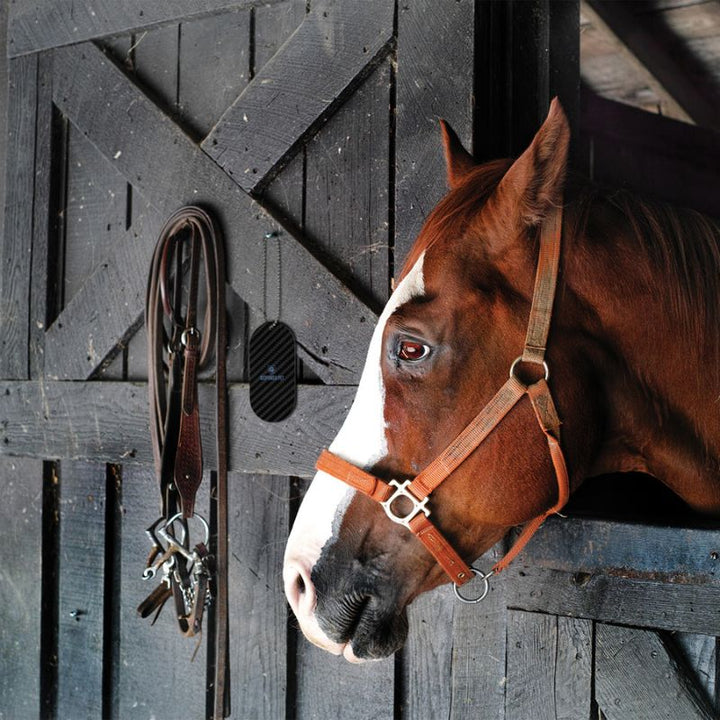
x=419, y=489
x=193, y=569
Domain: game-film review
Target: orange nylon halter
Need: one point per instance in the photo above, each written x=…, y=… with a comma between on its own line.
x=420, y=488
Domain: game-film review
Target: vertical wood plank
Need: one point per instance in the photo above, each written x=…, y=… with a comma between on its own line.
x=434, y=80
x=573, y=669
x=20, y=586
x=81, y=585
x=17, y=239
x=213, y=67
x=258, y=521
x=426, y=660
x=154, y=662
x=347, y=188
x=701, y=655
x=531, y=648
x=478, y=660
x=43, y=221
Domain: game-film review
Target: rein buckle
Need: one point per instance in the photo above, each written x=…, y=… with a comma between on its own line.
x=417, y=505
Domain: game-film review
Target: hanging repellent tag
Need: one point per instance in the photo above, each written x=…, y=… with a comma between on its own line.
x=272, y=357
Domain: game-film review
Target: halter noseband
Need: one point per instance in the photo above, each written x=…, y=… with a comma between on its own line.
x=418, y=490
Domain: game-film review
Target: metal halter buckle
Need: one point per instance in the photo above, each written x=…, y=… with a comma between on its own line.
x=402, y=491
x=485, y=577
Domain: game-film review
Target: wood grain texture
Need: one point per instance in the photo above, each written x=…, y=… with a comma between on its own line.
x=638, y=676
x=478, y=676
x=16, y=251
x=81, y=601
x=602, y=546
x=154, y=661
x=106, y=309
x=295, y=91
x=432, y=83
x=108, y=421
x=258, y=509
x=683, y=606
x=39, y=25
x=20, y=586
x=700, y=654
x=549, y=667
x=169, y=170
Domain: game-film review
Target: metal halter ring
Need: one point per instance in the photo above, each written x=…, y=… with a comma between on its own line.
x=485, y=577
x=519, y=359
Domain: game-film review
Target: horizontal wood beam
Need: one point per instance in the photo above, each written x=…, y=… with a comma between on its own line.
x=108, y=422
x=680, y=606
x=337, y=44
x=677, y=90
x=43, y=24
x=602, y=546
x=169, y=170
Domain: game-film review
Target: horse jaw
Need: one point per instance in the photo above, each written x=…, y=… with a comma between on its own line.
x=361, y=441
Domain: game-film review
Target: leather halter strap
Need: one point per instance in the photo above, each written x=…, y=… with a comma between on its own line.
x=418, y=490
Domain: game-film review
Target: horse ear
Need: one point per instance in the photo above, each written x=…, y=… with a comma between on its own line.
x=458, y=160
x=535, y=180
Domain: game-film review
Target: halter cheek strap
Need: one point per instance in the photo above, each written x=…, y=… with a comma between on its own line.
x=418, y=490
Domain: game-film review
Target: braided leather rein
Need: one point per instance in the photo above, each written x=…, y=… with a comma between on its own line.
x=193, y=570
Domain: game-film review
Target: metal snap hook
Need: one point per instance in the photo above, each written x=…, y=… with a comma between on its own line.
x=485, y=577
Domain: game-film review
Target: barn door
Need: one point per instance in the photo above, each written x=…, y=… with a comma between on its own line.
x=314, y=123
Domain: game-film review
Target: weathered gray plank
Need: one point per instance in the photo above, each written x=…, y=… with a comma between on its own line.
x=549, y=667
x=330, y=687
x=169, y=170
x=39, y=24
x=107, y=308
x=347, y=188
x=700, y=654
x=427, y=657
x=258, y=522
x=638, y=676
x=108, y=422
x=213, y=67
x=299, y=87
x=682, y=606
x=20, y=586
x=16, y=251
x=154, y=662
x=81, y=614
x=479, y=653
x=595, y=545
x=432, y=83
x=42, y=204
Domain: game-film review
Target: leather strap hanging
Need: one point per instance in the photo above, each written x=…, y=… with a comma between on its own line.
x=419, y=489
x=194, y=573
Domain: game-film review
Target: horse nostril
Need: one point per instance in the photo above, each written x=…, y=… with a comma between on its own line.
x=299, y=590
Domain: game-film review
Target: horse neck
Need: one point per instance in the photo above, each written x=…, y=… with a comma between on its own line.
x=661, y=377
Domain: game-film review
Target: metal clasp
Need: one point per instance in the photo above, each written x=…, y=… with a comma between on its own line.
x=402, y=491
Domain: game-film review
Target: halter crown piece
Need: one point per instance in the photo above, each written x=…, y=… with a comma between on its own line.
x=419, y=489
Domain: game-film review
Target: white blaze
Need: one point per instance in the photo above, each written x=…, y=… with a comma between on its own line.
x=361, y=441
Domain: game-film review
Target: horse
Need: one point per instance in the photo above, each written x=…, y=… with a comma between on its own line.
x=570, y=303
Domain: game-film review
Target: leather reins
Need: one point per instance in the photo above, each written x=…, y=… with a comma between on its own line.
x=193, y=573
x=419, y=489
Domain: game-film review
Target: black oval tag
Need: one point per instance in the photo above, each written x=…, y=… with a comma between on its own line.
x=272, y=360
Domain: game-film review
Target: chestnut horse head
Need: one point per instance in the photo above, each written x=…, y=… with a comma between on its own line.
x=620, y=366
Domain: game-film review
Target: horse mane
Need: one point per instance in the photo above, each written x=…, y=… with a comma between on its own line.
x=682, y=244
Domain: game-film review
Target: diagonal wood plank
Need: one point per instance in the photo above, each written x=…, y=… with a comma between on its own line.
x=337, y=44
x=169, y=170
x=108, y=422
x=43, y=24
x=638, y=676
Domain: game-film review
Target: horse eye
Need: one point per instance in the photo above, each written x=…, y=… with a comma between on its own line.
x=411, y=351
